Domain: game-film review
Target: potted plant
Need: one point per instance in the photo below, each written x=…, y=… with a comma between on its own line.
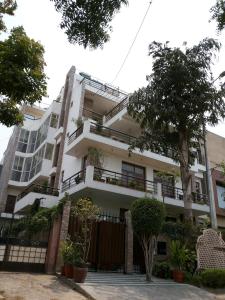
x=86, y=212
x=179, y=257
x=162, y=269
x=67, y=251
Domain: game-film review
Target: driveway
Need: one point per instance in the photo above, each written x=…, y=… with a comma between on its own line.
x=24, y=286
x=106, y=286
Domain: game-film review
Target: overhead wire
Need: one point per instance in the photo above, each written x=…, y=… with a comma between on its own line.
x=132, y=44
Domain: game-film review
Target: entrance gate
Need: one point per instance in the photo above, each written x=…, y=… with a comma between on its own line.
x=21, y=253
x=107, y=249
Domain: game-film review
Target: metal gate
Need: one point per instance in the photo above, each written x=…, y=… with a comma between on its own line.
x=107, y=250
x=21, y=253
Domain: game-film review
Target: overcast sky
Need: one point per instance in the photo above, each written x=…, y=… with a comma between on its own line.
x=168, y=20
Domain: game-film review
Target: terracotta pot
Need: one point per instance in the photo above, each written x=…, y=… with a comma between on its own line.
x=178, y=276
x=68, y=271
x=63, y=270
x=79, y=274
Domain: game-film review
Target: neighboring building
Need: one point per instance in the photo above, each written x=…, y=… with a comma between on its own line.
x=216, y=154
x=89, y=125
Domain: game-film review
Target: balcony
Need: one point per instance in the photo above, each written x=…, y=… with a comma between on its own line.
x=48, y=196
x=91, y=134
x=103, y=89
x=107, y=184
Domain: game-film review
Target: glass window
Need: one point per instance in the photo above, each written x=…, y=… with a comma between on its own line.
x=221, y=195
x=133, y=176
x=54, y=120
x=49, y=151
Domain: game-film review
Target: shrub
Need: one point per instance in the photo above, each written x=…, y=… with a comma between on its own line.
x=213, y=278
x=196, y=280
x=162, y=269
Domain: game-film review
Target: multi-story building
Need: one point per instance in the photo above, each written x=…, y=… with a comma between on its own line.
x=80, y=145
x=216, y=154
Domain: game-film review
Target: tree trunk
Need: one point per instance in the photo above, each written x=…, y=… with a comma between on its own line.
x=148, y=246
x=186, y=176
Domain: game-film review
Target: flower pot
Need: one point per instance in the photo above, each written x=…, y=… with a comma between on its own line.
x=63, y=270
x=79, y=274
x=178, y=276
x=68, y=271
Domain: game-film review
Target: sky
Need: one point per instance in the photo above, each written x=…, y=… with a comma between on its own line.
x=175, y=21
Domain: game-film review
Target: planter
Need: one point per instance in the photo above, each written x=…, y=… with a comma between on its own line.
x=68, y=271
x=178, y=276
x=79, y=274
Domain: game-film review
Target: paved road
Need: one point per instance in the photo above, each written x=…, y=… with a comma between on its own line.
x=106, y=286
x=23, y=286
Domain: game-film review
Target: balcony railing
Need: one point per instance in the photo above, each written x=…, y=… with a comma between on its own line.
x=123, y=180
x=103, y=88
x=131, y=182
x=92, y=115
x=41, y=189
x=117, y=109
x=112, y=133
x=200, y=198
x=75, y=134
x=73, y=180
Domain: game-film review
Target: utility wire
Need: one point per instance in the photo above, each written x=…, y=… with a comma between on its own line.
x=132, y=44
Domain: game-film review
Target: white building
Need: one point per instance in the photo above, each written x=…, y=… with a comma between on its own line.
x=89, y=125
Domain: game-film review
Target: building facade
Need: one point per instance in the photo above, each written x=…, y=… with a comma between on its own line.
x=216, y=154
x=80, y=146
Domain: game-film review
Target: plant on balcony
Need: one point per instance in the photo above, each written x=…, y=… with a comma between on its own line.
x=86, y=212
x=147, y=215
x=179, y=101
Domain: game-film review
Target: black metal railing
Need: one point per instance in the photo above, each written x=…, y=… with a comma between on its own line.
x=117, y=108
x=171, y=191
x=73, y=180
x=92, y=115
x=75, y=134
x=41, y=189
x=105, y=88
x=112, y=133
x=200, y=198
x=123, y=180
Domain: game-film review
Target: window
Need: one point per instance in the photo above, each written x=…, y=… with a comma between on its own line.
x=54, y=121
x=23, y=141
x=17, y=168
x=161, y=248
x=220, y=195
x=49, y=151
x=134, y=175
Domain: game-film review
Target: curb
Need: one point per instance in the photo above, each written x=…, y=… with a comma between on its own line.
x=75, y=286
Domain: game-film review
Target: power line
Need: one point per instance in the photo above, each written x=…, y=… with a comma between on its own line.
x=131, y=46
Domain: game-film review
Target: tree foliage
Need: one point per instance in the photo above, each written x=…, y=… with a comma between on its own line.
x=147, y=219
x=179, y=99
x=87, y=22
x=22, y=77
x=6, y=7
x=218, y=14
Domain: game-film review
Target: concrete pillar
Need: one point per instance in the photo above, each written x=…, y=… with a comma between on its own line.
x=63, y=233
x=128, y=244
x=53, y=246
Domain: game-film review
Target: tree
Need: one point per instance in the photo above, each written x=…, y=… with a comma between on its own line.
x=218, y=14
x=22, y=77
x=87, y=22
x=179, y=99
x=147, y=219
